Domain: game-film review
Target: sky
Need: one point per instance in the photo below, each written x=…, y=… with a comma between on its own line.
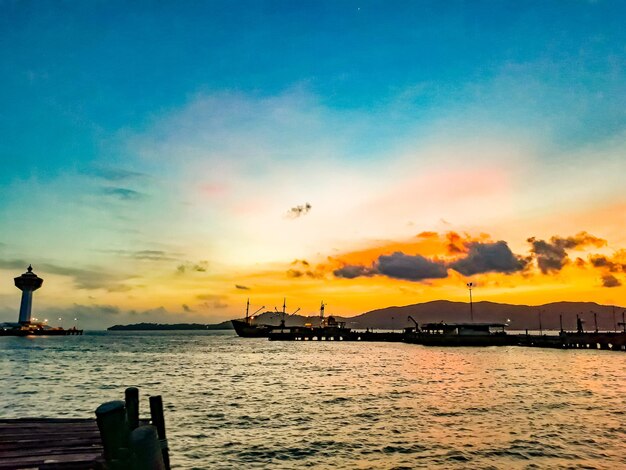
x=166, y=161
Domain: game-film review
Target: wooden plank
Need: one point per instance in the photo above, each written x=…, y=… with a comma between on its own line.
x=50, y=443
x=86, y=460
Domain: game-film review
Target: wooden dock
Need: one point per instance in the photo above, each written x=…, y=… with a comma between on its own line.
x=50, y=443
x=116, y=439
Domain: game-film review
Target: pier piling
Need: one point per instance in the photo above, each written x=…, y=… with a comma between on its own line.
x=111, y=419
x=131, y=396
x=158, y=419
x=146, y=449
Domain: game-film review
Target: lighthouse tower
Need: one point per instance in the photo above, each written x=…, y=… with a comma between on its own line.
x=27, y=283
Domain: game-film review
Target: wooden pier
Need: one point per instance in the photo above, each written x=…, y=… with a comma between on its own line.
x=50, y=444
x=609, y=341
x=115, y=439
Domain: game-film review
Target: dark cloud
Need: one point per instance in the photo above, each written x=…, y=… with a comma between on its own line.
x=298, y=211
x=579, y=240
x=613, y=266
x=412, y=268
x=351, y=271
x=77, y=310
x=148, y=255
x=93, y=278
x=488, y=257
x=240, y=287
x=123, y=194
x=199, y=267
x=14, y=264
x=455, y=243
x=301, y=262
x=552, y=256
x=113, y=174
x=186, y=308
x=302, y=268
x=214, y=301
x=608, y=280
x=398, y=266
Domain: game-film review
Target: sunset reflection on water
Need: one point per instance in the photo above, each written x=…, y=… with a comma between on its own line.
x=237, y=403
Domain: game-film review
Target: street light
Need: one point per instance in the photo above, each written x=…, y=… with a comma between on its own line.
x=470, y=285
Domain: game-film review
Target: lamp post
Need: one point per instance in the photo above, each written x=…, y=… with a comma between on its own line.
x=470, y=285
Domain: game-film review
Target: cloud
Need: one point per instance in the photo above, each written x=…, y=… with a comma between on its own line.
x=614, y=265
x=552, y=256
x=294, y=273
x=214, y=301
x=240, y=287
x=488, y=257
x=412, y=268
x=608, y=280
x=351, y=271
x=13, y=264
x=148, y=255
x=95, y=278
x=200, y=267
x=123, y=194
x=398, y=266
x=77, y=310
x=298, y=211
x=302, y=268
x=302, y=262
x=186, y=308
x=455, y=243
x=112, y=174
x=480, y=257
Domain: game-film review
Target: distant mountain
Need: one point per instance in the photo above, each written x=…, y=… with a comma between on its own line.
x=519, y=317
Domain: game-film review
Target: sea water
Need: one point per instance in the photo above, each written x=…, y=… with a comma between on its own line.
x=251, y=403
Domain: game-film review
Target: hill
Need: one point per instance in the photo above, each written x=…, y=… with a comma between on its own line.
x=519, y=317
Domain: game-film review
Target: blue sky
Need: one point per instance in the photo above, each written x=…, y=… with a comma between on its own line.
x=157, y=126
x=77, y=73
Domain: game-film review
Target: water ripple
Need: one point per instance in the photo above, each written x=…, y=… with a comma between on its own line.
x=235, y=403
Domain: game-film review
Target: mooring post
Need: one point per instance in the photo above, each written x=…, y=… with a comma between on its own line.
x=146, y=449
x=131, y=396
x=158, y=419
x=111, y=419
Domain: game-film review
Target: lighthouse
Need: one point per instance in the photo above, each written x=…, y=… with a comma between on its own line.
x=27, y=283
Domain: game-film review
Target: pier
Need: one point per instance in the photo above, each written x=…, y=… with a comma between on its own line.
x=115, y=439
x=609, y=341
x=456, y=334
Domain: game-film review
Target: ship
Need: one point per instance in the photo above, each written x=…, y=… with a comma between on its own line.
x=246, y=329
x=461, y=334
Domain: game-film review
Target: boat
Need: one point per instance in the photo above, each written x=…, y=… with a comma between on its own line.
x=247, y=329
x=461, y=334
x=329, y=329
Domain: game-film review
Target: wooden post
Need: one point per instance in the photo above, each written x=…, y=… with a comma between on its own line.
x=131, y=396
x=158, y=419
x=146, y=449
x=111, y=419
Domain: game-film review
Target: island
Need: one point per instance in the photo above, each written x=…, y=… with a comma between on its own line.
x=171, y=326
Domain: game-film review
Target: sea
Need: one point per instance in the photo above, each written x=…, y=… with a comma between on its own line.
x=235, y=403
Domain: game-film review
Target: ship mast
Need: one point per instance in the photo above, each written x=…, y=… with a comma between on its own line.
x=247, y=309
